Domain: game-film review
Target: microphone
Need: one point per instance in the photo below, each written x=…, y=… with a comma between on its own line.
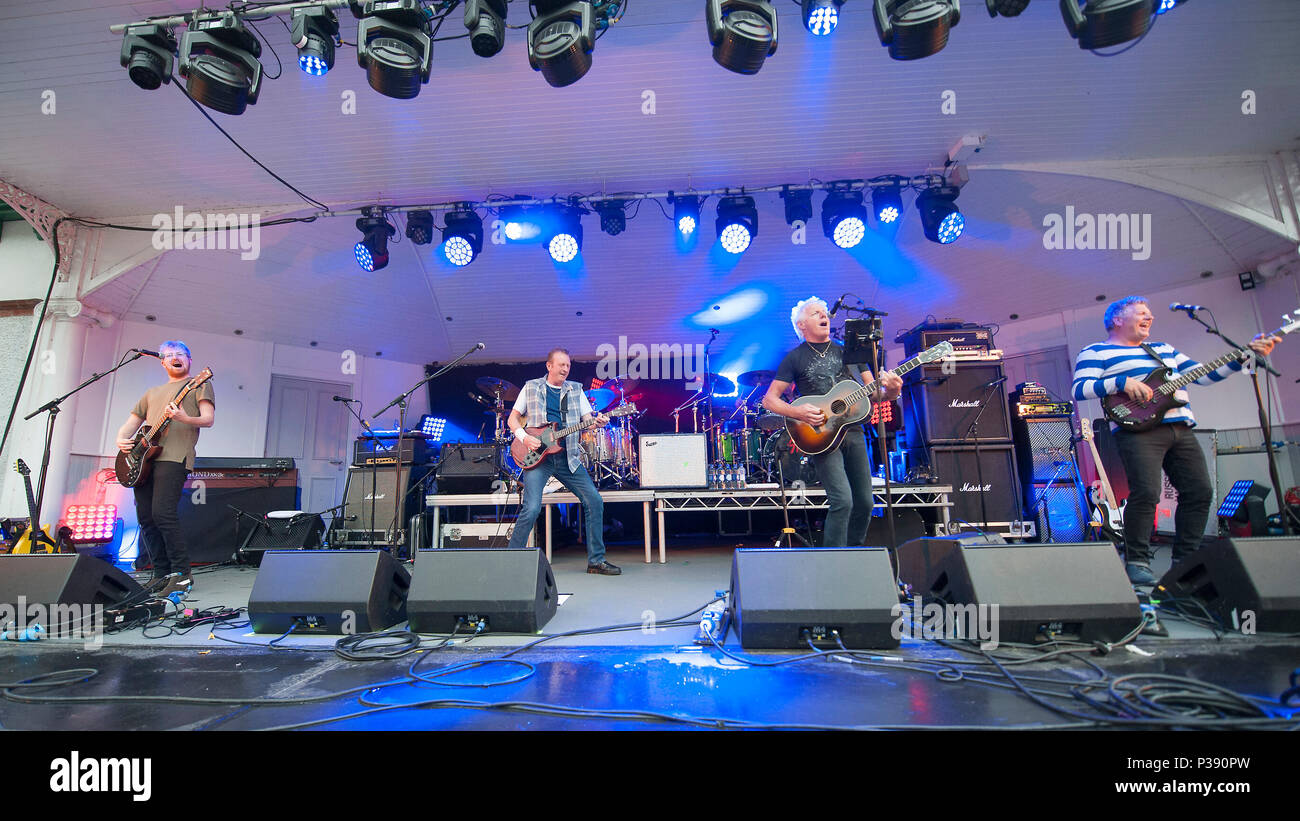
x=478, y=399
x=997, y=381
x=839, y=303
x=480, y=346
x=714, y=331
x=343, y=399
x=154, y=354
x=1190, y=309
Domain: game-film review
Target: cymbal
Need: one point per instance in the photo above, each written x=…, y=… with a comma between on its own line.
x=756, y=379
x=720, y=383
x=770, y=422
x=601, y=398
x=623, y=383
x=491, y=384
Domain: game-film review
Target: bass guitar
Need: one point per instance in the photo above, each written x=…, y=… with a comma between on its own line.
x=847, y=404
x=133, y=466
x=1106, y=514
x=35, y=539
x=1136, y=416
x=551, y=434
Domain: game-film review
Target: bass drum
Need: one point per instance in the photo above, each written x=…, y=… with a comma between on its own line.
x=795, y=465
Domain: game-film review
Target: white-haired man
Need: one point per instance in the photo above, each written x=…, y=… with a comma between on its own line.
x=1119, y=365
x=814, y=367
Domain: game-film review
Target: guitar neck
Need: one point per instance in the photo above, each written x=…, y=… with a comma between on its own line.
x=161, y=430
x=1196, y=373
x=871, y=387
x=1101, y=472
x=577, y=426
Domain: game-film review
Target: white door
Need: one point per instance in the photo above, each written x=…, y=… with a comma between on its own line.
x=305, y=423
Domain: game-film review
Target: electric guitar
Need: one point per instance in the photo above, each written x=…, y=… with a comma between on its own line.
x=1107, y=515
x=1134, y=415
x=35, y=539
x=846, y=404
x=133, y=466
x=551, y=434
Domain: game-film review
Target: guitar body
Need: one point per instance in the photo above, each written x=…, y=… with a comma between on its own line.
x=133, y=467
x=24, y=544
x=1135, y=416
x=527, y=458
x=839, y=414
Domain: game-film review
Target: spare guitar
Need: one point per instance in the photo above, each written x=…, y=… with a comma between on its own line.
x=1106, y=514
x=1133, y=415
x=35, y=539
x=133, y=466
x=551, y=434
x=847, y=404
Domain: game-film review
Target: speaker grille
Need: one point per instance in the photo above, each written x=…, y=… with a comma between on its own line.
x=940, y=407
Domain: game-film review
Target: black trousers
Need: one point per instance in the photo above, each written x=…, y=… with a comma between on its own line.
x=157, y=505
x=1172, y=447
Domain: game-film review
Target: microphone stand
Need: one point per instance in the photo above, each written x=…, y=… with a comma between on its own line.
x=369, y=433
x=52, y=408
x=1289, y=525
x=877, y=355
x=399, y=495
x=973, y=431
x=708, y=398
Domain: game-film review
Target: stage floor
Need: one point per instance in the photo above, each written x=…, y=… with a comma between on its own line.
x=649, y=676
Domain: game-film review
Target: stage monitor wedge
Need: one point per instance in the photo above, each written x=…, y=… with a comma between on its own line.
x=1247, y=584
x=335, y=592
x=48, y=581
x=513, y=590
x=780, y=597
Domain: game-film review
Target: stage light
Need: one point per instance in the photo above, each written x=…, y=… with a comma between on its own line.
x=432, y=427
x=394, y=47
x=147, y=52
x=520, y=222
x=219, y=63
x=313, y=31
x=844, y=218
x=1006, y=8
x=91, y=524
x=419, y=227
x=1245, y=504
x=821, y=17
x=1168, y=5
x=887, y=202
x=564, y=240
x=686, y=214
x=372, y=250
x=743, y=33
x=798, y=205
x=486, y=21
x=915, y=28
x=737, y=223
x=462, y=239
x=1103, y=23
x=940, y=217
x=560, y=43
x=613, y=216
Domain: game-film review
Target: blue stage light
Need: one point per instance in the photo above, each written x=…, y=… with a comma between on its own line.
x=821, y=17
x=844, y=218
x=372, y=250
x=940, y=217
x=737, y=223
x=462, y=239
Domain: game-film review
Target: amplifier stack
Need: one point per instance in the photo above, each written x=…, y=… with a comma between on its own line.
x=1043, y=430
x=957, y=424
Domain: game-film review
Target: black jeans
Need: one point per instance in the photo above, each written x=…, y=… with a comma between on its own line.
x=1173, y=447
x=845, y=476
x=157, y=502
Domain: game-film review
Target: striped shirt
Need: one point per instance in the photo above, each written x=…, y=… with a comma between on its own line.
x=1105, y=367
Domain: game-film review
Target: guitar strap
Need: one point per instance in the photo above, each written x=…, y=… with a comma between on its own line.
x=1154, y=355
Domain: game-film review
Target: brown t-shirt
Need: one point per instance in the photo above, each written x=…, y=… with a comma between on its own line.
x=179, y=441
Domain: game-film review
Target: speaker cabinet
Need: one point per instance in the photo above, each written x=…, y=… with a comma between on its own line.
x=512, y=590
x=1076, y=592
x=992, y=478
x=1232, y=577
x=778, y=595
x=1059, y=510
x=939, y=408
x=1043, y=452
x=213, y=532
x=920, y=560
x=328, y=591
x=49, y=580
x=908, y=525
x=467, y=468
x=371, y=506
x=301, y=532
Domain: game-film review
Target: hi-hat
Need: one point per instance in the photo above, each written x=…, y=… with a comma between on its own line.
x=756, y=379
x=491, y=385
x=720, y=383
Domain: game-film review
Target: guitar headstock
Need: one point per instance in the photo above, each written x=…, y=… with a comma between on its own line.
x=1085, y=428
x=203, y=376
x=940, y=351
x=1291, y=322
x=22, y=468
x=623, y=410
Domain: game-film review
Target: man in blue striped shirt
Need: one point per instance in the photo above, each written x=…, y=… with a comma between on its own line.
x=1119, y=365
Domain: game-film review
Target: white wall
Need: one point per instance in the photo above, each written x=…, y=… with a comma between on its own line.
x=26, y=262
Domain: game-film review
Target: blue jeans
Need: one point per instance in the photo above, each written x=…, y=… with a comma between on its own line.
x=845, y=476
x=579, y=483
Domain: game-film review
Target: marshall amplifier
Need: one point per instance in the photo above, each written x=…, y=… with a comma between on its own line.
x=992, y=478
x=940, y=407
x=967, y=339
x=366, y=451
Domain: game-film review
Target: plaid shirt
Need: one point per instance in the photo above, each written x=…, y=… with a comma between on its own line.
x=571, y=396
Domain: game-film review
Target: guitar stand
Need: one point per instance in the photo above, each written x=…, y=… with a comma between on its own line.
x=788, y=534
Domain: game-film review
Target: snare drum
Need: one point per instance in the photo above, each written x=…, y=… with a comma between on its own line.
x=597, y=445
